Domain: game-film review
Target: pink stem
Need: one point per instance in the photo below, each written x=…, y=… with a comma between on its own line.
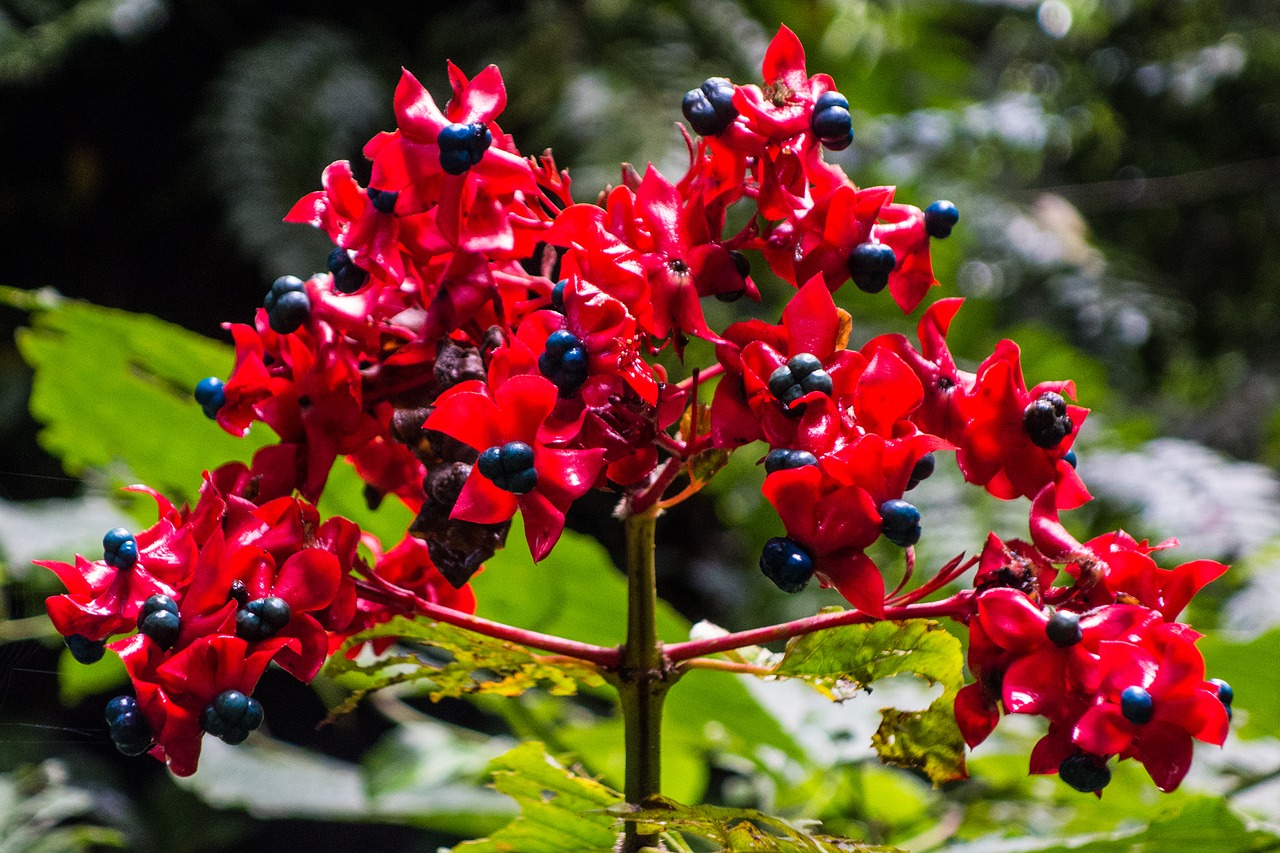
x=701, y=375
x=955, y=607
x=378, y=589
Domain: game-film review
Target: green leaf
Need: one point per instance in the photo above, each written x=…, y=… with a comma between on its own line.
x=561, y=812
x=276, y=780
x=1206, y=823
x=41, y=813
x=577, y=592
x=457, y=662
x=1250, y=669
x=840, y=661
x=113, y=390
x=735, y=830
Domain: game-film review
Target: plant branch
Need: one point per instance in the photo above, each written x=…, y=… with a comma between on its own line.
x=378, y=589
x=957, y=606
x=726, y=666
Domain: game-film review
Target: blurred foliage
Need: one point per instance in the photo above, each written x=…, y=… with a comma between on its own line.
x=1117, y=165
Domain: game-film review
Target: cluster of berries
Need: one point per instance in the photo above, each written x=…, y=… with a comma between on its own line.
x=480, y=345
x=215, y=593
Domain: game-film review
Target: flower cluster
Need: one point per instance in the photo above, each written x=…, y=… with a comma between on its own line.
x=480, y=345
x=1101, y=658
x=208, y=597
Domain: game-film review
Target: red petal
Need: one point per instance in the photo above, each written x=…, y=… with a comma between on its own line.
x=482, y=502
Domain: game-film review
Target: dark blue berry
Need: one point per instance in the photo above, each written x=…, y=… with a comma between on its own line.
x=231, y=716
x=740, y=262
x=1063, y=628
x=1070, y=457
x=839, y=144
x=384, y=201
x=1226, y=695
x=118, y=706
x=158, y=619
x=1137, y=705
x=564, y=362
x=510, y=467
x=557, y=295
x=832, y=123
x=211, y=396
x=287, y=305
x=870, y=265
x=130, y=732
x=802, y=374
x=922, y=471
x=939, y=218
x=462, y=146
x=709, y=109
x=348, y=277
x=900, y=523
x=786, y=564
x=1084, y=772
x=163, y=627
x=1046, y=420
x=120, y=549
x=85, y=650
x=262, y=618
x=783, y=458
x=830, y=99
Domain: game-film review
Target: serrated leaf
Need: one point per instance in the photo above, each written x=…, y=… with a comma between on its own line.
x=561, y=812
x=577, y=592
x=471, y=664
x=114, y=389
x=735, y=830
x=840, y=661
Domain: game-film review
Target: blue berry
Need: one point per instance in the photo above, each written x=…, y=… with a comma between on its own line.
x=85, y=650
x=832, y=123
x=347, y=276
x=1063, y=628
x=158, y=619
x=1084, y=772
x=120, y=549
x=783, y=458
x=384, y=201
x=211, y=396
x=922, y=471
x=1046, y=420
x=786, y=564
x=802, y=374
x=1226, y=695
x=870, y=265
x=830, y=99
x=117, y=706
x=1137, y=705
x=939, y=218
x=510, y=467
x=128, y=728
x=709, y=109
x=129, y=731
x=262, y=618
x=564, y=362
x=287, y=305
x=1070, y=458
x=557, y=295
x=900, y=523
x=231, y=716
x=462, y=146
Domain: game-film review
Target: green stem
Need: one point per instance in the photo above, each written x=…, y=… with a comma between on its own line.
x=644, y=676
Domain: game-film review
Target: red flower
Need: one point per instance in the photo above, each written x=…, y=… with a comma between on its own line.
x=1154, y=701
x=173, y=691
x=513, y=413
